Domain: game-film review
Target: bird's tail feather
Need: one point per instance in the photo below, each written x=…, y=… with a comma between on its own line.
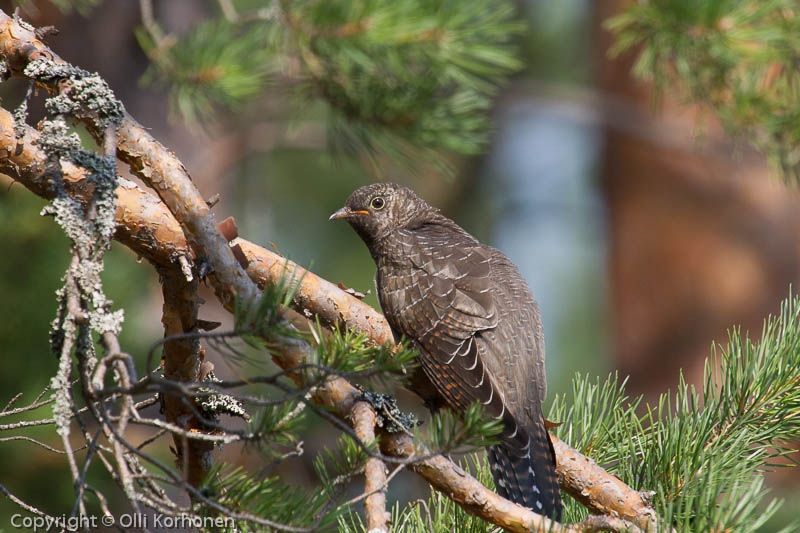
x=526, y=475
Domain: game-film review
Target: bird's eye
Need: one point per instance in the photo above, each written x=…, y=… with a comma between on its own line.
x=377, y=203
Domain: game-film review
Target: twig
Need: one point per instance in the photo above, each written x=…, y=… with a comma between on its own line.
x=11, y=402
x=228, y=10
x=62, y=388
x=30, y=508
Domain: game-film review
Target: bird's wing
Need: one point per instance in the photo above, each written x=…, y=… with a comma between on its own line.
x=520, y=333
x=443, y=303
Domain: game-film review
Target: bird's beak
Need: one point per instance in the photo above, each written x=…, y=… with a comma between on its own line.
x=346, y=212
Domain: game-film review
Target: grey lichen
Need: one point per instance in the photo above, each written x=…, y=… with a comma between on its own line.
x=107, y=322
x=69, y=214
x=213, y=403
x=57, y=141
x=389, y=415
x=47, y=70
x=61, y=144
x=57, y=333
x=72, y=218
x=21, y=113
x=60, y=385
x=62, y=407
x=82, y=93
x=102, y=174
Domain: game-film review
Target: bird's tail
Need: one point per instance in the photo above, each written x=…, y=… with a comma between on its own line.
x=525, y=473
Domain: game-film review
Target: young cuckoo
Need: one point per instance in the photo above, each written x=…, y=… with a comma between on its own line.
x=476, y=326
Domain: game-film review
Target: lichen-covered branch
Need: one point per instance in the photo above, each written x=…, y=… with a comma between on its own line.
x=148, y=159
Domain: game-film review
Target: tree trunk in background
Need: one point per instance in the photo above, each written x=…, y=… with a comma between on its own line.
x=701, y=238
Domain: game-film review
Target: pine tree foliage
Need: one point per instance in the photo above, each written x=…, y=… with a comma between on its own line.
x=738, y=58
x=401, y=72
x=277, y=425
x=406, y=78
x=472, y=429
x=216, y=66
x=267, y=497
x=702, y=452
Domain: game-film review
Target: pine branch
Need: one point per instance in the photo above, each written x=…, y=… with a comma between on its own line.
x=364, y=422
x=181, y=362
x=601, y=493
x=217, y=65
x=407, y=78
x=736, y=59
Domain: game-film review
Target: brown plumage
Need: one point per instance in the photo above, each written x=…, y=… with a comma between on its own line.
x=475, y=323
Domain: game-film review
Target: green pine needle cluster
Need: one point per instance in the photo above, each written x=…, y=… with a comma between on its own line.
x=267, y=497
x=261, y=321
x=737, y=58
x=403, y=74
x=338, y=466
x=276, y=426
x=217, y=66
x=355, y=355
x=451, y=433
x=702, y=452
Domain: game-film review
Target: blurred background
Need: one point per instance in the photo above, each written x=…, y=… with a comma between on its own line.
x=644, y=232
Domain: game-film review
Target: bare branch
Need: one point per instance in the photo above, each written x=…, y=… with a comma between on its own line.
x=599, y=491
x=181, y=362
x=315, y=296
x=364, y=421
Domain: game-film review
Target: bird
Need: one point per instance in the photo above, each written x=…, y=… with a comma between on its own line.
x=467, y=310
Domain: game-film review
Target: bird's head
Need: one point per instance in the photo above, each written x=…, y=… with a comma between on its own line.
x=377, y=210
